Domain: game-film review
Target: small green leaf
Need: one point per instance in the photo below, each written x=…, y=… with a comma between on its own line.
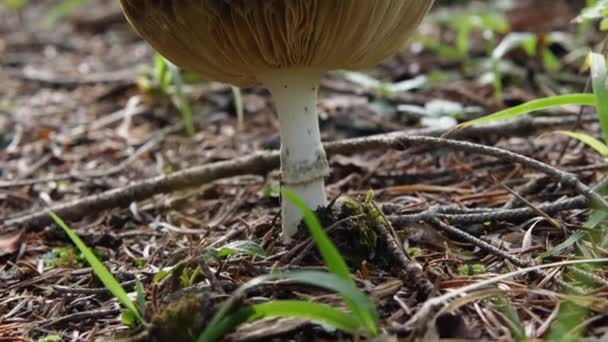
x=129, y=319
x=241, y=247
x=14, y=4
x=514, y=323
x=141, y=295
x=597, y=11
x=315, y=312
x=578, y=235
x=532, y=106
x=50, y=338
x=596, y=218
x=162, y=274
x=100, y=270
x=358, y=302
x=62, y=10
x=182, y=102
x=161, y=73
x=599, y=78
x=588, y=140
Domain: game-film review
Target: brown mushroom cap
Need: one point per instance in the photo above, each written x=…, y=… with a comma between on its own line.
x=232, y=41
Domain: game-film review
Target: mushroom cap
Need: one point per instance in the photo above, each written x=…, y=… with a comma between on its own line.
x=233, y=41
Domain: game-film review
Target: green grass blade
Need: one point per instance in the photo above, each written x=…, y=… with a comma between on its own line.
x=216, y=330
x=161, y=72
x=182, y=101
x=510, y=316
x=332, y=258
x=569, y=242
x=100, y=270
x=58, y=12
x=316, y=312
x=356, y=300
x=532, y=106
x=588, y=140
x=362, y=308
x=239, y=106
x=599, y=78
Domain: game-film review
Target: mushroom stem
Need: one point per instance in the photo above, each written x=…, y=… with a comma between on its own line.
x=303, y=161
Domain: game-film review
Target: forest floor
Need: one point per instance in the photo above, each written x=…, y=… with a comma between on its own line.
x=74, y=122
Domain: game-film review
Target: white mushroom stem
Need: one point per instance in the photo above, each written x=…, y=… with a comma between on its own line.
x=303, y=160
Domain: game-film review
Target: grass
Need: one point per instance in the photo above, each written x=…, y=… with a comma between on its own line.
x=99, y=269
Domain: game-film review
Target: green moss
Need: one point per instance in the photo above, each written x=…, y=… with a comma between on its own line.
x=413, y=251
x=182, y=320
x=471, y=269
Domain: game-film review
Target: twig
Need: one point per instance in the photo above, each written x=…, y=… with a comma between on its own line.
x=530, y=205
x=520, y=214
x=412, y=272
x=532, y=186
x=87, y=290
x=431, y=308
x=261, y=163
x=79, y=316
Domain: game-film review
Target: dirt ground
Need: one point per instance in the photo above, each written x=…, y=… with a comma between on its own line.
x=74, y=122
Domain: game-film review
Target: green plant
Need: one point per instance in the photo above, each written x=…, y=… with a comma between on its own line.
x=567, y=326
x=58, y=12
x=50, y=338
x=363, y=316
x=164, y=80
x=239, y=247
x=100, y=270
x=595, y=10
x=64, y=256
x=511, y=318
x=532, y=106
x=14, y=4
x=472, y=269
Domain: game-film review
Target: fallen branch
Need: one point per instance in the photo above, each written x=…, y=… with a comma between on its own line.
x=511, y=215
x=263, y=162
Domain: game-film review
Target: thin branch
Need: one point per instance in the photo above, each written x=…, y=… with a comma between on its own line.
x=520, y=214
x=262, y=163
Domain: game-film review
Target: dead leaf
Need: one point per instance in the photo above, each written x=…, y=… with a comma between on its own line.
x=11, y=243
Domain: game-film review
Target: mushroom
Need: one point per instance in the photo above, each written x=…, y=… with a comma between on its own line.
x=286, y=46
